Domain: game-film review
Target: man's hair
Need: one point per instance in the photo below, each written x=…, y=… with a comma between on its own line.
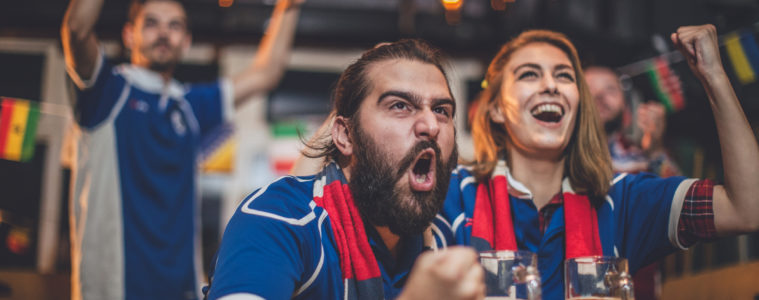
x=353, y=85
x=135, y=7
x=587, y=164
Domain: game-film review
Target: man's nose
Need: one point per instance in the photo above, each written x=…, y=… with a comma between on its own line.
x=427, y=125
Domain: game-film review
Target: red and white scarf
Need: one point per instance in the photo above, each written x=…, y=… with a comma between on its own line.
x=361, y=273
x=492, y=221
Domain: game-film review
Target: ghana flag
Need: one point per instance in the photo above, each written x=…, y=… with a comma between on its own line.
x=18, y=128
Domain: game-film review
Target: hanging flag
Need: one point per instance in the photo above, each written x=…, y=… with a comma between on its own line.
x=217, y=151
x=666, y=84
x=285, y=145
x=670, y=84
x=751, y=49
x=18, y=128
x=738, y=59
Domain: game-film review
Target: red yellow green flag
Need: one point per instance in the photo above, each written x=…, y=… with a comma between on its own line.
x=18, y=128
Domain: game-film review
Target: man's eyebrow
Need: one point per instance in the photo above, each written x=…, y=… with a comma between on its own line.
x=410, y=97
x=415, y=99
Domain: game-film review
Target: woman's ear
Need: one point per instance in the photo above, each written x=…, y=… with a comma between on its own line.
x=496, y=113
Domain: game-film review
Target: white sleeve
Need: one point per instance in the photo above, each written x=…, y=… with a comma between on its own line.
x=676, y=211
x=227, y=100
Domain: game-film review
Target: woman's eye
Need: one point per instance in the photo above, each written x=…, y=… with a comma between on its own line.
x=528, y=74
x=566, y=76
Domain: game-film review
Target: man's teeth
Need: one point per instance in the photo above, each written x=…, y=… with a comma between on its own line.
x=421, y=178
x=547, y=107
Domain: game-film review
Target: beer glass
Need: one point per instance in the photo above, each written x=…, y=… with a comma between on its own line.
x=597, y=277
x=511, y=274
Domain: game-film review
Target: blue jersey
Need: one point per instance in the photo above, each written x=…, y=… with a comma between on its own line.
x=279, y=244
x=134, y=207
x=638, y=221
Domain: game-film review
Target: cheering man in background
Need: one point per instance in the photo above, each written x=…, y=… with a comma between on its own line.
x=134, y=231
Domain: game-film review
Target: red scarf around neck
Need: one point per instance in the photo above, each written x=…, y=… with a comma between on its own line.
x=492, y=220
x=361, y=273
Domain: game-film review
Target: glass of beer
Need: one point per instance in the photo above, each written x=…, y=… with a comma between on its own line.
x=511, y=274
x=597, y=277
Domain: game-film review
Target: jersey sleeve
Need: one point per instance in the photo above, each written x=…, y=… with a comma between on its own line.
x=649, y=210
x=271, y=245
x=257, y=256
x=94, y=98
x=212, y=103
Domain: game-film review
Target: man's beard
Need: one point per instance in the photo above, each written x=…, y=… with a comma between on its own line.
x=614, y=124
x=374, y=184
x=165, y=65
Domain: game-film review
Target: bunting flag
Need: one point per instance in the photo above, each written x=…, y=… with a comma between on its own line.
x=217, y=151
x=738, y=59
x=666, y=85
x=751, y=49
x=285, y=145
x=18, y=128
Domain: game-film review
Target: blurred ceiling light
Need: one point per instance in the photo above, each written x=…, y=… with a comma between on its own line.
x=498, y=4
x=226, y=3
x=451, y=5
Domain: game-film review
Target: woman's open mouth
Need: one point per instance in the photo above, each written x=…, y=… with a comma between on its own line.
x=548, y=112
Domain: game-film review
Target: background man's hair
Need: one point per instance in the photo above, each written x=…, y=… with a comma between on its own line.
x=135, y=6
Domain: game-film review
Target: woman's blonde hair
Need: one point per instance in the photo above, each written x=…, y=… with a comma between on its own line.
x=588, y=164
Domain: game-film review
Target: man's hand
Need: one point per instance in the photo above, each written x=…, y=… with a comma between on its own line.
x=652, y=121
x=453, y=273
x=700, y=46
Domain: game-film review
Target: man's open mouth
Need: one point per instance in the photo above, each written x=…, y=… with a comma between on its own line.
x=423, y=171
x=548, y=112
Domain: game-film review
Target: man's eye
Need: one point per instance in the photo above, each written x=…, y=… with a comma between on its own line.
x=443, y=111
x=176, y=26
x=399, y=105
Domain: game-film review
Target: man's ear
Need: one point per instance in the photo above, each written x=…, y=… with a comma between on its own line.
x=341, y=136
x=496, y=113
x=127, y=35
x=186, y=43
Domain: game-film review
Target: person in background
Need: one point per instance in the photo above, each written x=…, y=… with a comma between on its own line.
x=627, y=155
x=646, y=155
x=543, y=181
x=134, y=210
x=355, y=229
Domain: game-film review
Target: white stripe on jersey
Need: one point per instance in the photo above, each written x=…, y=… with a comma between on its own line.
x=241, y=296
x=292, y=221
x=321, y=259
x=457, y=222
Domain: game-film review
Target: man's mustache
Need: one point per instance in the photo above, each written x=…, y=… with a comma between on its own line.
x=161, y=42
x=406, y=162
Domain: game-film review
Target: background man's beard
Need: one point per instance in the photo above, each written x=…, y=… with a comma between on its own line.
x=161, y=66
x=379, y=199
x=614, y=124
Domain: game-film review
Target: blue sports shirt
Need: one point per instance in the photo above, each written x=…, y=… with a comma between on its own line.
x=279, y=245
x=638, y=221
x=134, y=200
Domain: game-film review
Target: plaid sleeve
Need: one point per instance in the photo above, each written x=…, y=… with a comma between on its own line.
x=697, y=216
